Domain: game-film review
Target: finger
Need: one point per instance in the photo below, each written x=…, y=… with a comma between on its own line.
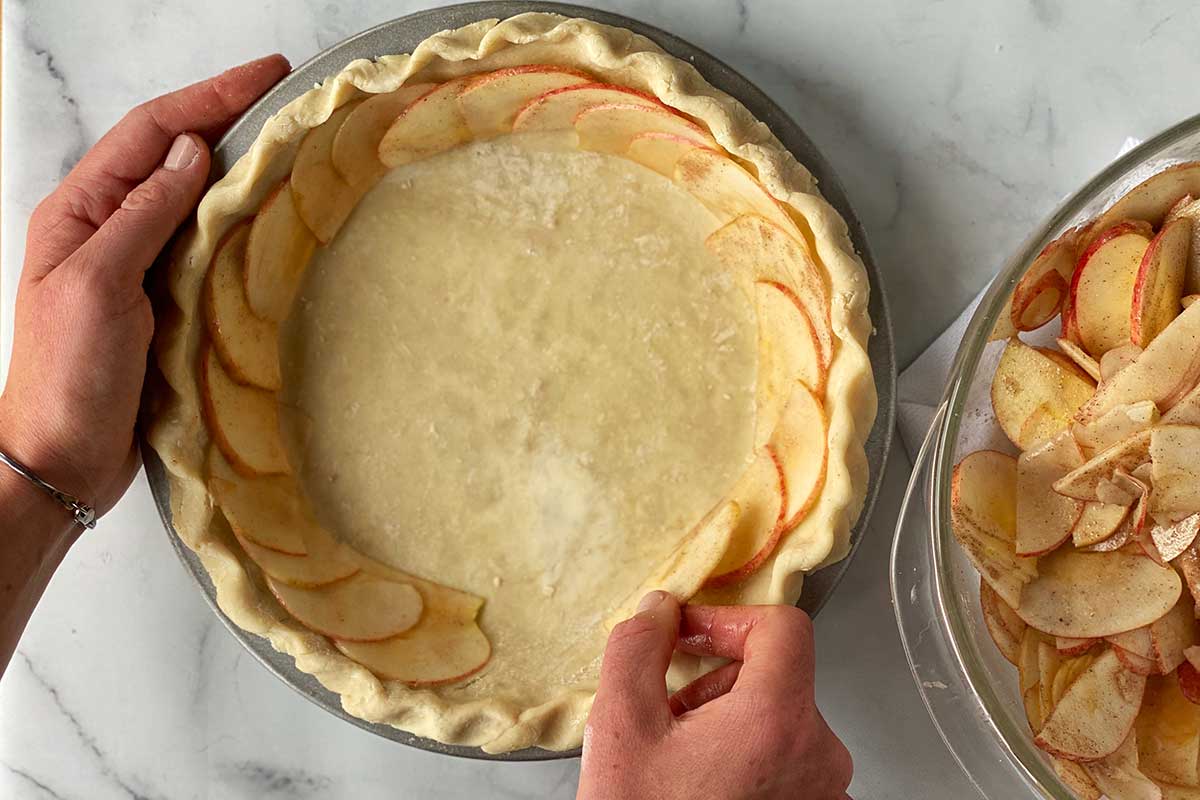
x=773, y=642
x=633, y=676
x=127, y=244
x=707, y=687
x=128, y=153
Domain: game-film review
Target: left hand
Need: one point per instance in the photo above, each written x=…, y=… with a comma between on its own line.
x=83, y=323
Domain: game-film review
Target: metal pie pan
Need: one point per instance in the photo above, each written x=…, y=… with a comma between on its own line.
x=401, y=36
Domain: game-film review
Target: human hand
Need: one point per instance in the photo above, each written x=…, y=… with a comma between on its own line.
x=749, y=729
x=83, y=323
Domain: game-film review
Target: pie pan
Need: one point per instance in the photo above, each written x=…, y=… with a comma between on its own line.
x=401, y=36
x=968, y=687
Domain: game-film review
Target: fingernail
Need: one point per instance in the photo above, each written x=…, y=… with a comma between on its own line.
x=183, y=153
x=651, y=600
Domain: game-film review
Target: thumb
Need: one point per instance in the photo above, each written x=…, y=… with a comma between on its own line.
x=633, y=685
x=128, y=242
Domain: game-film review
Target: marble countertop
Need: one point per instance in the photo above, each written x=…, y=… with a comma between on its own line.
x=955, y=127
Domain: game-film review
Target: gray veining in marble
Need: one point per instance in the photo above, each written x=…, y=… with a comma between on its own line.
x=954, y=127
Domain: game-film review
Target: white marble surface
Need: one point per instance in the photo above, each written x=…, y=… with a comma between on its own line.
x=955, y=127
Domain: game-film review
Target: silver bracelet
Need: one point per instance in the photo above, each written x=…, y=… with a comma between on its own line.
x=84, y=514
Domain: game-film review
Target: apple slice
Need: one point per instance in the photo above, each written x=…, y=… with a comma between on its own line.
x=1118, y=774
x=1001, y=611
x=1028, y=652
x=1127, y=454
x=1045, y=518
x=1089, y=595
x=1136, y=664
x=788, y=350
x=1179, y=209
x=1186, y=411
x=1096, y=713
x=1049, y=662
x=1007, y=641
x=247, y=346
x=800, y=445
x=1103, y=286
x=762, y=494
x=1168, y=729
x=689, y=565
x=1152, y=199
x=1172, y=634
x=321, y=567
x=267, y=510
x=430, y=125
x=243, y=421
x=995, y=560
x=277, y=254
x=610, y=127
x=1158, y=288
x=557, y=110
x=1076, y=778
x=1188, y=564
x=1173, y=540
x=755, y=249
x=1039, y=295
x=1117, y=359
x=660, y=151
x=362, y=608
x=1167, y=370
x=1034, y=396
x=438, y=651
x=1174, y=451
x=1097, y=522
x=728, y=190
x=1115, y=426
x=1189, y=680
x=1188, y=299
x=1189, y=208
x=356, y=144
x=1066, y=672
x=323, y=197
x=1172, y=792
x=490, y=101
x=1082, y=360
x=1069, y=647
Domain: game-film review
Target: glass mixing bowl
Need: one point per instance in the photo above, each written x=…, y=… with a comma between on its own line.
x=968, y=687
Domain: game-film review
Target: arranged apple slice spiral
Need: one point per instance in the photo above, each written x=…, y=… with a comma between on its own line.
x=1087, y=548
x=405, y=629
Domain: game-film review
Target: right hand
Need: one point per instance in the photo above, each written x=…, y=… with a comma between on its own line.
x=747, y=730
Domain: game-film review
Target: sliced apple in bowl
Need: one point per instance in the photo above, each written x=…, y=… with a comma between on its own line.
x=1096, y=713
x=1035, y=396
x=1102, y=288
x=1045, y=518
x=1158, y=289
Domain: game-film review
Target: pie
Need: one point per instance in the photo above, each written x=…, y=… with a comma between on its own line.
x=476, y=345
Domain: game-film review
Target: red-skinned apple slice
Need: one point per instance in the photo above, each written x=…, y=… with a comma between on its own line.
x=1030, y=386
x=1126, y=454
x=324, y=564
x=1139, y=665
x=247, y=345
x=1039, y=294
x=1096, y=713
x=1172, y=634
x=1118, y=775
x=490, y=101
x=1115, y=425
x=438, y=651
x=356, y=144
x=557, y=110
x=1189, y=208
x=762, y=494
x=1174, y=452
x=1152, y=199
x=277, y=254
x=800, y=444
x=1103, y=285
x=1007, y=642
x=323, y=197
x=1097, y=521
x=430, y=125
x=1168, y=729
x=788, y=350
x=609, y=128
x=1089, y=595
x=994, y=558
x=243, y=421
x=660, y=151
x=755, y=249
x=267, y=510
x=1045, y=518
x=1174, y=539
x=1069, y=647
x=1082, y=360
x=362, y=608
x=1159, y=286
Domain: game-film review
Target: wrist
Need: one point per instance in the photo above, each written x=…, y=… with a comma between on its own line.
x=23, y=499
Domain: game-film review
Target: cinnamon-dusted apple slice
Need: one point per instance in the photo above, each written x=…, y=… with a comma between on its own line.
x=556, y=110
x=728, y=189
x=1118, y=359
x=1097, y=522
x=1171, y=635
x=277, y=254
x=1118, y=774
x=268, y=510
x=1049, y=662
x=1077, y=779
x=1168, y=729
x=1191, y=281
x=788, y=350
x=356, y=145
x=1027, y=658
x=1082, y=360
x=761, y=493
x=362, y=608
x=430, y=125
x=247, y=345
x=801, y=447
x=1103, y=284
x=1127, y=454
x=689, y=565
x=996, y=617
x=1115, y=425
x=1175, y=455
x=490, y=102
x=1069, y=647
x=994, y=557
x=660, y=151
x=323, y=197
x=983, y=490
x=1173, y=539
x=1153, y=198
x=1045, y=518
x=1186, y=411
x=243, y=420
x=755, y=249
x=1089, y=595
x=1034, y=396
x=611, y=127
x=1039, y=295
x=1159, y=285
x=1096, y=713
x=1164, y=373
x=439, y=650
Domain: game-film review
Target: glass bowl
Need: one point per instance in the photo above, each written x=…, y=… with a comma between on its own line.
x=969, y=689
